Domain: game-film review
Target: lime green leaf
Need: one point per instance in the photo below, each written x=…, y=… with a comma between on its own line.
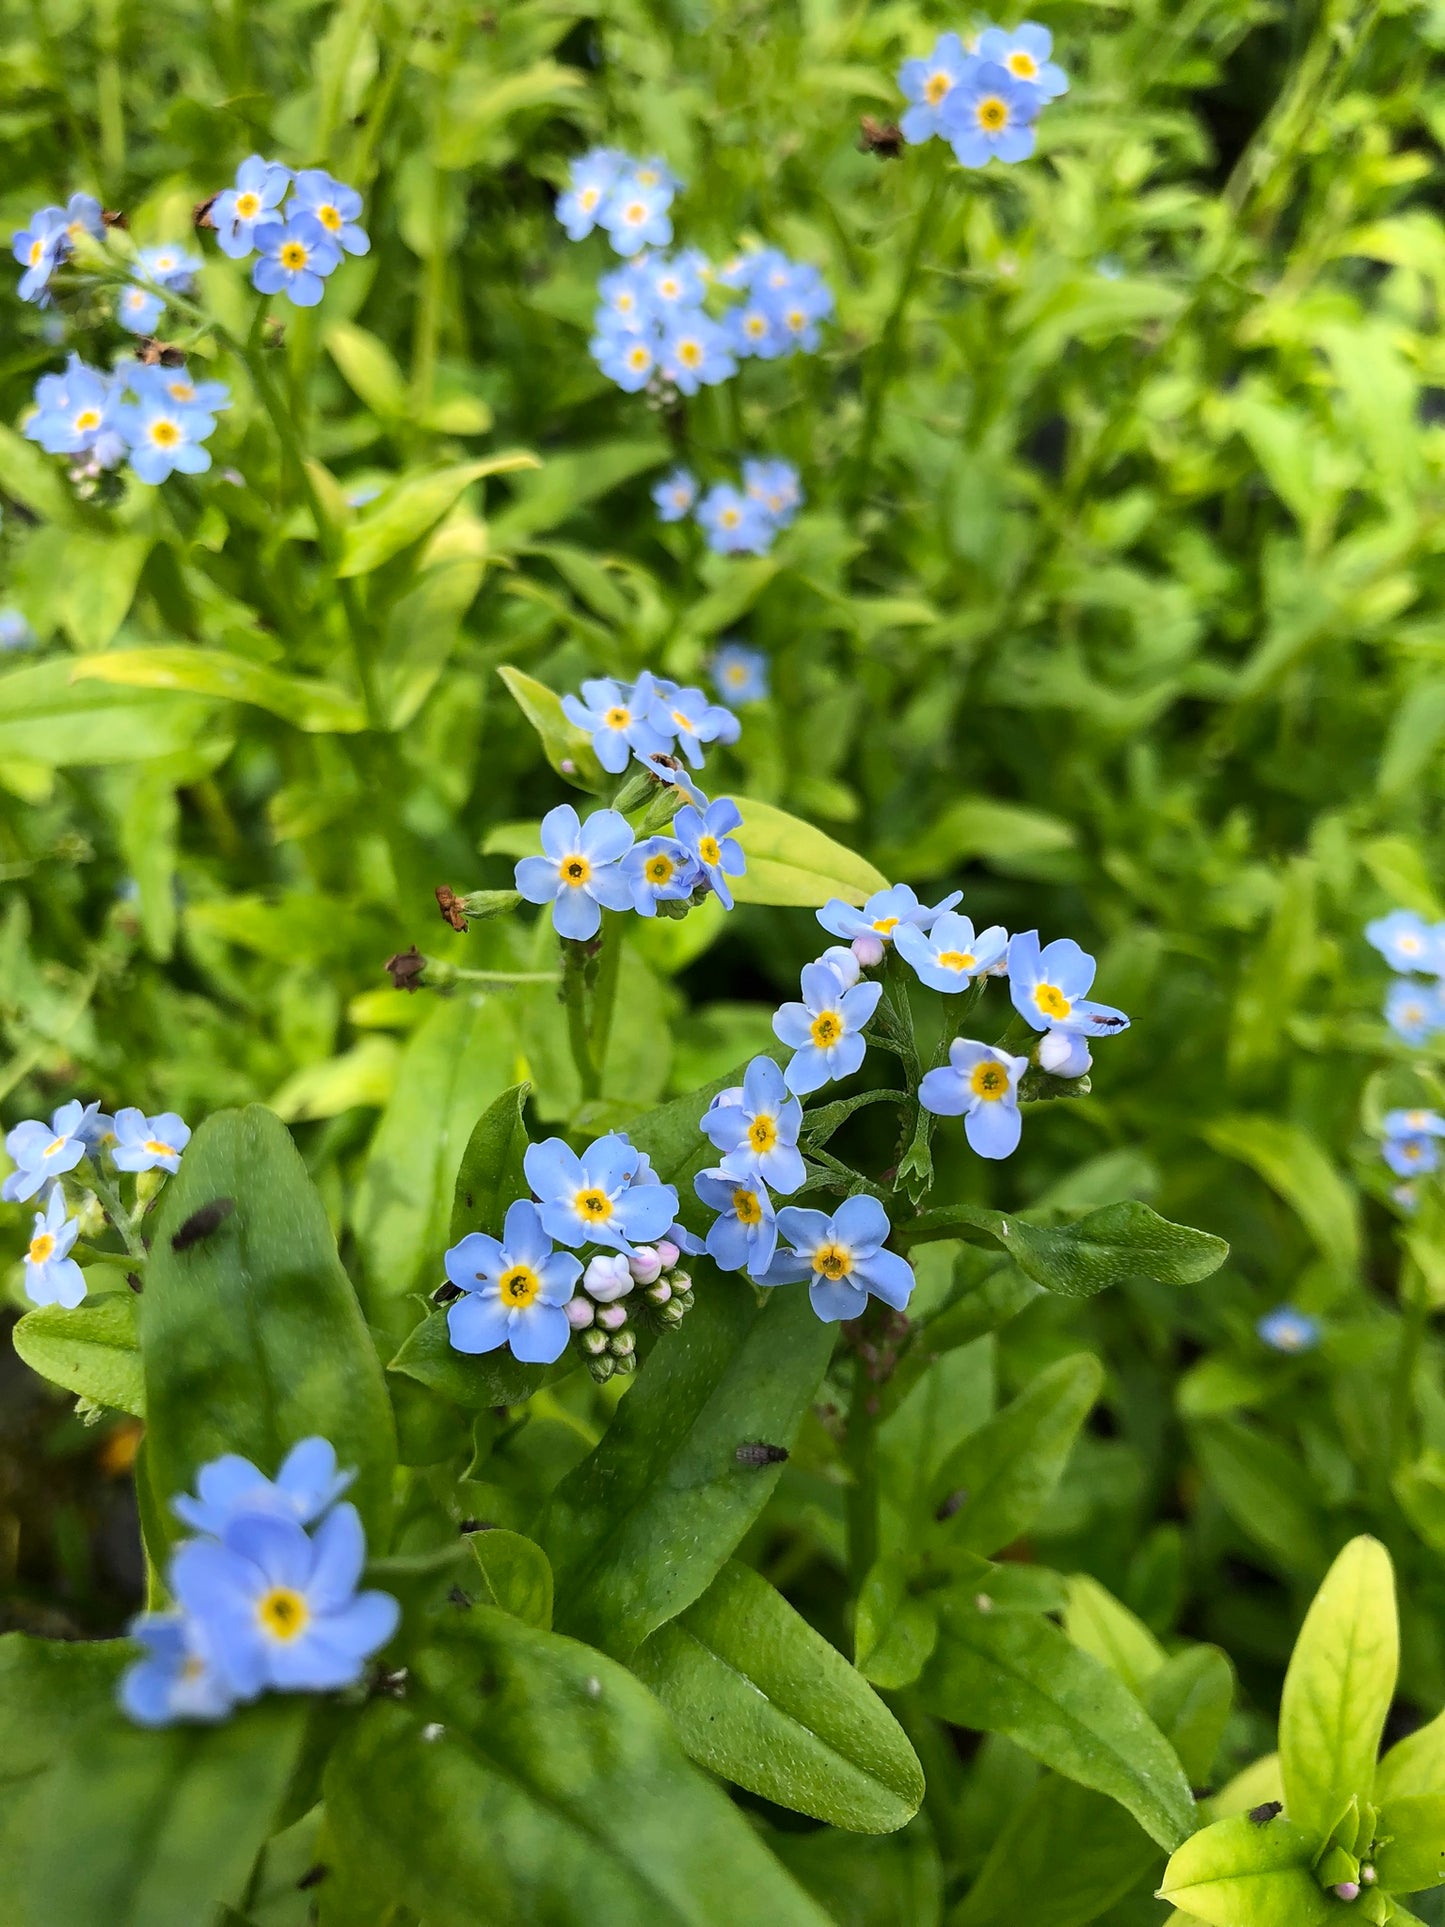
x=1097, y=1622
x=1103, y=1248
x=894, y=1630
x=568, y=749
x=1413, y=1857
x=761, y=1699
x=790, y=864
x=1294, y=1164
x=1006, y=836
x=1338, y=1689
x=299, y=700
x=417, y=503
x=369, y=369
x=35, y=479
x=362, y=1076
x=98, y=586
x=47, y=719
x=516, y=1575
x=1237, y=1874
x=91, y=1351
x=570, y=480
x=1415, y=1765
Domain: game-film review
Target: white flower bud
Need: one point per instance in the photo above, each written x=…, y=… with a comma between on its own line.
x=843, y=962
x=660, y=1292
x=727, y=1100
x=607, y=1277
x=1062, y=1054
x=612, y=1317
x=645, y=1264
x=580, y=1312
x=622, y=1344
x=868, y=950
x=594, y=1341
x=680, y=1283
x=668, y=1253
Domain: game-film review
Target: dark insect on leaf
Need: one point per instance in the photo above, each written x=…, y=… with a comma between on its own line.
x=450, y=905
x=757, y=1452
x=461, y=1600
x=476, y=1525
x=202, y=1223
x=881, y=137
x=955, y=1502
x=313, y=1876
x=1269, y=1810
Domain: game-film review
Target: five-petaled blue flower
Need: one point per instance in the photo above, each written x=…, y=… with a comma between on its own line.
x=41, y=1152
x=950, y=956
x=76, y=410
x=164, y=436
x=775, y=484
x=307, y=1485
x=138, y=309
x=336, y=206
x=705, y=835
x=1414, y=1011
x=759, y=1133
x=674, y=282
x=740, y=674
x=1288, y=1330
x=148, y=1143
x=979, y=1083
x=174, y=386
x=177, y=1679
x=1408, y=1153
x=635, y=215
x=688, y=718
x=295, y=259
x=52, y=1277
x=675, y=494
x=1407, y=942
x=1049, y=987
x=169, y=266
x=695, y=352
x=581, y=873
x=1024, y=55
x=593, y=1199
x=881, y=915
x=618, y=720
x=590, y=179
x=745, y=1232
x=252, y=203
x=990, y=115
x=660, y=870
x=927, y=82
x=733, y=524
x=625, y=356
x=825, y=1030
x=843, y=1258
x=513, y=1290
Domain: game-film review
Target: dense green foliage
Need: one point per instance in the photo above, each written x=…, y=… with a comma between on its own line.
x=1115, y=601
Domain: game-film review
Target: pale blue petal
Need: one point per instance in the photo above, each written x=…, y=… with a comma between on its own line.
x=476, y=1324
x=539, y=1333
x=888, y=1277
x=537, y=878
x=862, y=1223
x=834, y=1301
x=476, y=1258
x=993, y=1129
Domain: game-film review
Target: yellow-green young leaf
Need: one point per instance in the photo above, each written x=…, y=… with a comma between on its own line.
x=568, y=749
x=1413, y=1858
x=316, y=707
x=1005, y=836
x=1255, y=1786
x=1416, y=1765
x=98, y=585
x=1096, y=1621
x=1338, y=1689
x=1293, y=1163
x=362, y=1076
x=47, y=719
x=368, y=367
x=1237, y=1874
x=894, y=1630
x=92, y=1351
x=792, y=865
x=416, y=504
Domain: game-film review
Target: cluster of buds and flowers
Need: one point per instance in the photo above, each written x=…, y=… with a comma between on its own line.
x=620, y=1291
x=157, y=417
x=737, y=520
x=299, y=224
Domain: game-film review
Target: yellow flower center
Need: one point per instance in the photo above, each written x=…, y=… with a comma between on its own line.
x=756, y=325
x=588, y=197
x=935, y=87
x=575, y=871
x=684, y=721
x=708, y=850
x=729, y=518
x=1411, y=1150
x=293, y=256
x=646, y=177
x=956, y=959
x=736, y=675
x=635, y=213
x=37, y=252
x=669, y=289
x=1409, y=943
x=659, y=869
x=832, y=1261
x=1022, y=66
x=884, y=924
x=989, y=1081
x=159, y=1150
x=283, y=1612
x=992, y=114
x=1417, y=1120
x=689, y=353
x=180, y=391
x=41, y=1247
x=827, y=1028
x=519, y=1286
x=56, y=1146
x=618, y=717
x=638, y=357
x=1052, y=1001
x=594, y=1206
x=796, y=320
x=746, y=1206
x=165, y=434
x=763, y=1132
x=248, y=206
x=329, y=218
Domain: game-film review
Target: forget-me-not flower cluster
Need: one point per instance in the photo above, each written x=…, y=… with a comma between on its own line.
x=984, y=94
x=1415, y=951
x=299, y=224
x=742, y=518
x=48, y=240
x=156, y=418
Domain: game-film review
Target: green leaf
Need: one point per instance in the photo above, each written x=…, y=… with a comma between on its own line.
x=91, y=1351
x=1097, y=1622
x=1007, y=837
x=550, y=1781
x=1189, y=1699
x=1016, y=1674
x=1064, y=1857
x=894, y=1630
x=490, y=1176
x=790, y=864
x=476, y=1382
x=1293, y=1163
x=516, y=1575
x=1414, y=1765
x=568, y=749
x=865, y=1881
x=570, y=480
x=1237, y=1874
x=36, y=480
x=422, y=628
x=637, y=1532
x=300, y=700
x=98, y=585
x=1266, y=1492
x=48, y=719
x=251, y=1336
x=1338, y=1689
x=1413, y=1857
x=761, y=1699
x=1108, y=1247
x=369, y=369
x=417, y=503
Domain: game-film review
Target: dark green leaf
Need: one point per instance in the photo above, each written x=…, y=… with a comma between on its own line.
x=516, y=1575
x=491, y=1176
x=1106, y=1247
x=475, y=1382
x=92, y=1351
x=1064, y=1856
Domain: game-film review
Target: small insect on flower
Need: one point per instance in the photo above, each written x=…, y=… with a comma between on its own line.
x=202, y=1224
x=758, y=1453
x=1049, y=987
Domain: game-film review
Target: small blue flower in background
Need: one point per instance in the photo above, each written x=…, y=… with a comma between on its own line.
x=626, y=296
x=740, y=674
x=755, y=329
x=336, y=206
x=825, y=1030
x=52, y=1277
x=801, y=305
x=706, y=836
x=688, y=718
x=1049, y=987
x=843, y=1258
x=732, y=524
x=307, y=1485
x=746, y=1230
x=593, y=1199
x=148, y=1143
x=775, y=484
x=139, y=310
x=175, y=386
x=1416, y=1122
x=617, y=720
x=15, y=631
x=950, y=956
x=695, y=352
x=77, y=410
x=927, y=82
x=83, y=216
x=177, y=1679
x=881, y=915
x=581, y=873
x=1288, y=1330
x=1407, y=942
x=660, y=871
x=1411, y=1153
x=163, y=438
x=238, y=211
x=513, y=1290
x=1414, y=1011
x=295, y=259
x=1024, y=56
x=1407, y=1197
x=989, y=115
x=279, y=1607
x=170, y=267
x=758, y=1134
x=41, y=1152
x=589, y=180
x=979, y=1084
x=40, y=248
x=673, y=282
x=635, y=215
x=626, y=353
x=675, y=494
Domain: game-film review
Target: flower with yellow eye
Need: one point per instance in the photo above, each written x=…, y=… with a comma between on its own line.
x=607, y=1196
x=52, y=1277
x=1049, y=987
x=739, y=674
x=177, y=1678
x=626, y=352
x=295, y=259
x=882, y=914
x=76, y=411
x=825, y=1030
x=617, y=718
x=675, y=494
x=634, y=213
x=41, y=1152
x=661, y=871
x=759, y=1134
x=1023, y=53
x=513, y=1290
x=335, y=205
x=842, y=1257
x=138, y=309
x=169, y=266
x=1414, y=1011
x=989, y=116
x=695, y=352
x=980, y=1084
x=687, y=718
x=148, y=1143
x=950, y=956
x=580, y=872
x=775, y=484
x=745, y=1232
x=254, y=202
x=927, y=82
x=1407, y=942
x=706, y=836
x=733, y=524
x=590, y=179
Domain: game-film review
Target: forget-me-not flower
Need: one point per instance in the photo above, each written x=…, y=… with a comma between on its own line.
x=643, y=1176
x=660, y=870
x=1063, y=1053
x=1415, y=1122
x=745, y=1232
x=755, y=328
x=138, y=309
x=617, y=719
x=254, y=202
x=759, y=1133
x=695, y=352
x=1408, y=1153
x=626, y=296
x=52, y=1277
x=706, y=836
x=989, y=115
x=927, y=82
x=296, y=257
x=177, y=1679
x=15, y=631
x=675, y=494
x=949, y=956
x=1407, y=942
x=1050, y=987
x=590, y=178
x=175, y=387
x=882, y=914
x=740, y=674
x=335, y=205
x=801, y=304
x=148, y=1143
x=674, y=282
x=774, y=484
x=76, y=409
x=1414, y=1011
x=169, y=266
x=594, y=1198
x=513, y=1290
x=635, y=215
x=688, y=718
x=626, y=355
x=41, y=1152
x=307, y=1485
x=733, y=524
x=980, y=1084
x=842, y=1257
x=164, y=436
x=1287, y=1330
x=1023, y=53
x=581, y=872
x=39, y=248
x=825, y=1030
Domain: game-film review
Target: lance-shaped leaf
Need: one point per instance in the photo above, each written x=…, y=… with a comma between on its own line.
x=1062, y=1858
x=92, y=1350
x=567, y=748
x=791, y=864
x=1238, y=1874
x=639, y=1529
x=1103, y=1248
x=1413, y=1857
x=1097, y=1621
x=1016, y=1674
x=251, y=1335
x=301, y=701
x=416, y=504
x=1338, y=1689
x=47, y=719
x=491, y=1176
x=760, y=1698
x=534, y=1778
x=1415, y=1765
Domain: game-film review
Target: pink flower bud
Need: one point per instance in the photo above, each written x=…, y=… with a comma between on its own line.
x=844, y=964
x=579, y=1312
x=868, y=950
x=660, y=1292
x=1347, y=1890
x=645, y=1264
x=567, y=766
x=1368, y=1876
x=668, y=1253
x=607, y=1277
x=612, y=1317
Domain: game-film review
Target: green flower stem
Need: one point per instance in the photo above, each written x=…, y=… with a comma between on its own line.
x=861, y=1457
x=124, y=1221
x=574, y=996
x=604, y=992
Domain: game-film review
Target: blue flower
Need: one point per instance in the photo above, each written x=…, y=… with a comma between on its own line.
x=688, y=718
x=950, y=956
x=1409, y=1153
x=626, y=297
x=1416, y=1122
x=149, y=1143
x=734, y=525
x=979, y=1084
x=1063, y=1053
x=617, y=719
x=1407, y=1197
x=170, y=267
x=759, y=1133
x=1414, y=1011
x=660, y=871
x=40, y=248
x=988, y=115
x=843, y=1258
x=1024, y=54
x=881, y=915
x=928, y=82
x=177, y=1679
x=740, y=674
x=83, y=216
x=1049, y=987
x=746, y=1230
x=581, y=872
x=162, y=437
x=252, y=203
x=675, y=494
x=775, y=485
x=307, y=1485
x=643, y=1176
x=825, y=1030
x=755, y=327
x=295, y=259
x=336, y=206
x=1288, y=1330
x=635, y=215
x=15, y=631
x=673, y=282
x=138, y=309
x=52, y=1277
x=41, y=1152
x=626, y=356
x=668, y=769
x=175, y=387
x=514, y=1290
x=1407, y=942
x=695, y=352
x=593, y=1199
x=278, y=1608
x=77, y=410
x=704, y=834
x=801, y=304
x=589, y=181
x=656, y=176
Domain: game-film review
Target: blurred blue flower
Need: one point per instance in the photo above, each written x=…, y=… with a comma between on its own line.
x=589, y=180
x=237, y=212
x=675, y=494
x=635, y=215
x=1048, y=987
x=801, y=304
x=15, y=631
x=74, y=410
x=759, y=1133
x=83, y=216
x=732, y=524
x=41, y=1152
x=755, y=328
x=174, y=386
x=163, y=437
x=1414, y=1011
x=1407, y=1197
x=673, y=282
x=687, y=717
x=1407, y=942
x=705, y=835
x=980, y=1084
x=1410, y=1153
x=627, y=356
x=740, y=674
x=989, y=115
x=745, y=1232
x=617, y=720
x=177, y=1679
x=1024, y=53
x=950, y=956
x=335, y=205
x=593, y=1199
x=40, y=248
x=513, y=1290
x=138, y=309
x=695, y=352
x=626, y=297
x=148, y=1143
x=52, y=1277
x=170, y=267
x=843, y=1257
x=307, y=1485
x=927, y=82
x=825, y=1030
x=884, y=911
x=1288, y=1330
x=581, y=872
x=295, y=259
x=776, y=486
x=660, y=870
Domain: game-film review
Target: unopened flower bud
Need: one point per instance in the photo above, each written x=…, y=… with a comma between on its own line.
x=845, y=965
x=622, y=1344
x=660, y=1292
x=672, y=1314
x=868, y=949
x=602, y=1368
x=567, y=766
x=645, y=1264
x=612, y=1317
x=1368, y=1876
x=1062, y=1054
x=1347, y=1890
x=680, y=1282
x=580, y=1312
x=624, y=1366
x=595, y=1342
x=667, y=1253
x=607, y=1277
